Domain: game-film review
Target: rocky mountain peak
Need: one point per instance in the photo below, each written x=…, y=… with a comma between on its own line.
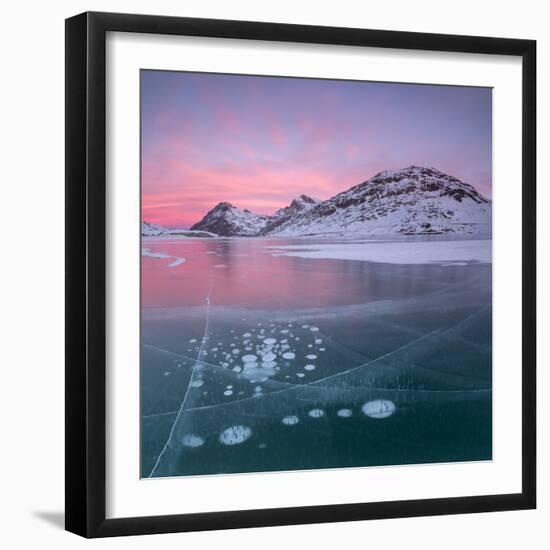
x=413, y=200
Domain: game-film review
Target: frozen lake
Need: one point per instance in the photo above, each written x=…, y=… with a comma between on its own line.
x=271, y=354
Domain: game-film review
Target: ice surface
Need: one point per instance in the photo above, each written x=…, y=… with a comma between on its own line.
x=401, y=363
x=448, y=253
x=147, y=252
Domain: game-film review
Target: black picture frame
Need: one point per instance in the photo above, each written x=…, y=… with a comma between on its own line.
x=86, y=274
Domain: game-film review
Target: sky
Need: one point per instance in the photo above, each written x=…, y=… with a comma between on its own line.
x=258, y=142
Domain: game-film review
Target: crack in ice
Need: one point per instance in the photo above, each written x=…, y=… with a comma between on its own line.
x=193, y=370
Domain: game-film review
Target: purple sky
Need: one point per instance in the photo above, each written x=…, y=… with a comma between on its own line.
x=258, y=142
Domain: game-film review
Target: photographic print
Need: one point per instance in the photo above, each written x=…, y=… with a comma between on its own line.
x=316, y=273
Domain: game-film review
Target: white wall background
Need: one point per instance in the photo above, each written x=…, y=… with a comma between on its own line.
x=31, y=273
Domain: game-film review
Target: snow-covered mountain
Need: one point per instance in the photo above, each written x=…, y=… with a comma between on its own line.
x=227, y=220
x=411, y=201
x=154, y=230
x=287, y=216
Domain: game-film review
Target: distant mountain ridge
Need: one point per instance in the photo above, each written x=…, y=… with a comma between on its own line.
x=149, y=229
x=412, y=201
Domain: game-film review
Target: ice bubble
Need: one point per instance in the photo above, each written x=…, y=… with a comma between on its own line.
x=269, y=356
x=311, y=356
x=290, y=420
x=289, y=355
x=235, y=435
x=379, y=408
x=269, y=364
x=192, y=341
x=249, y=359
x=309, y=367
x=284, y=341
x=262, y=446
x=316, y=413
x=228, y=392
x=237, y=369
x=318, y=341
x=258, y=389
x=344, y=413
x=305, y=326
x=314, y=329
x=236, y=351
x=229, y=387
x=284, y=331
x=247, y=335
x=270, y=341
x=197, y=383
x=300, y=374
x=321, y=349
x=192, y=440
